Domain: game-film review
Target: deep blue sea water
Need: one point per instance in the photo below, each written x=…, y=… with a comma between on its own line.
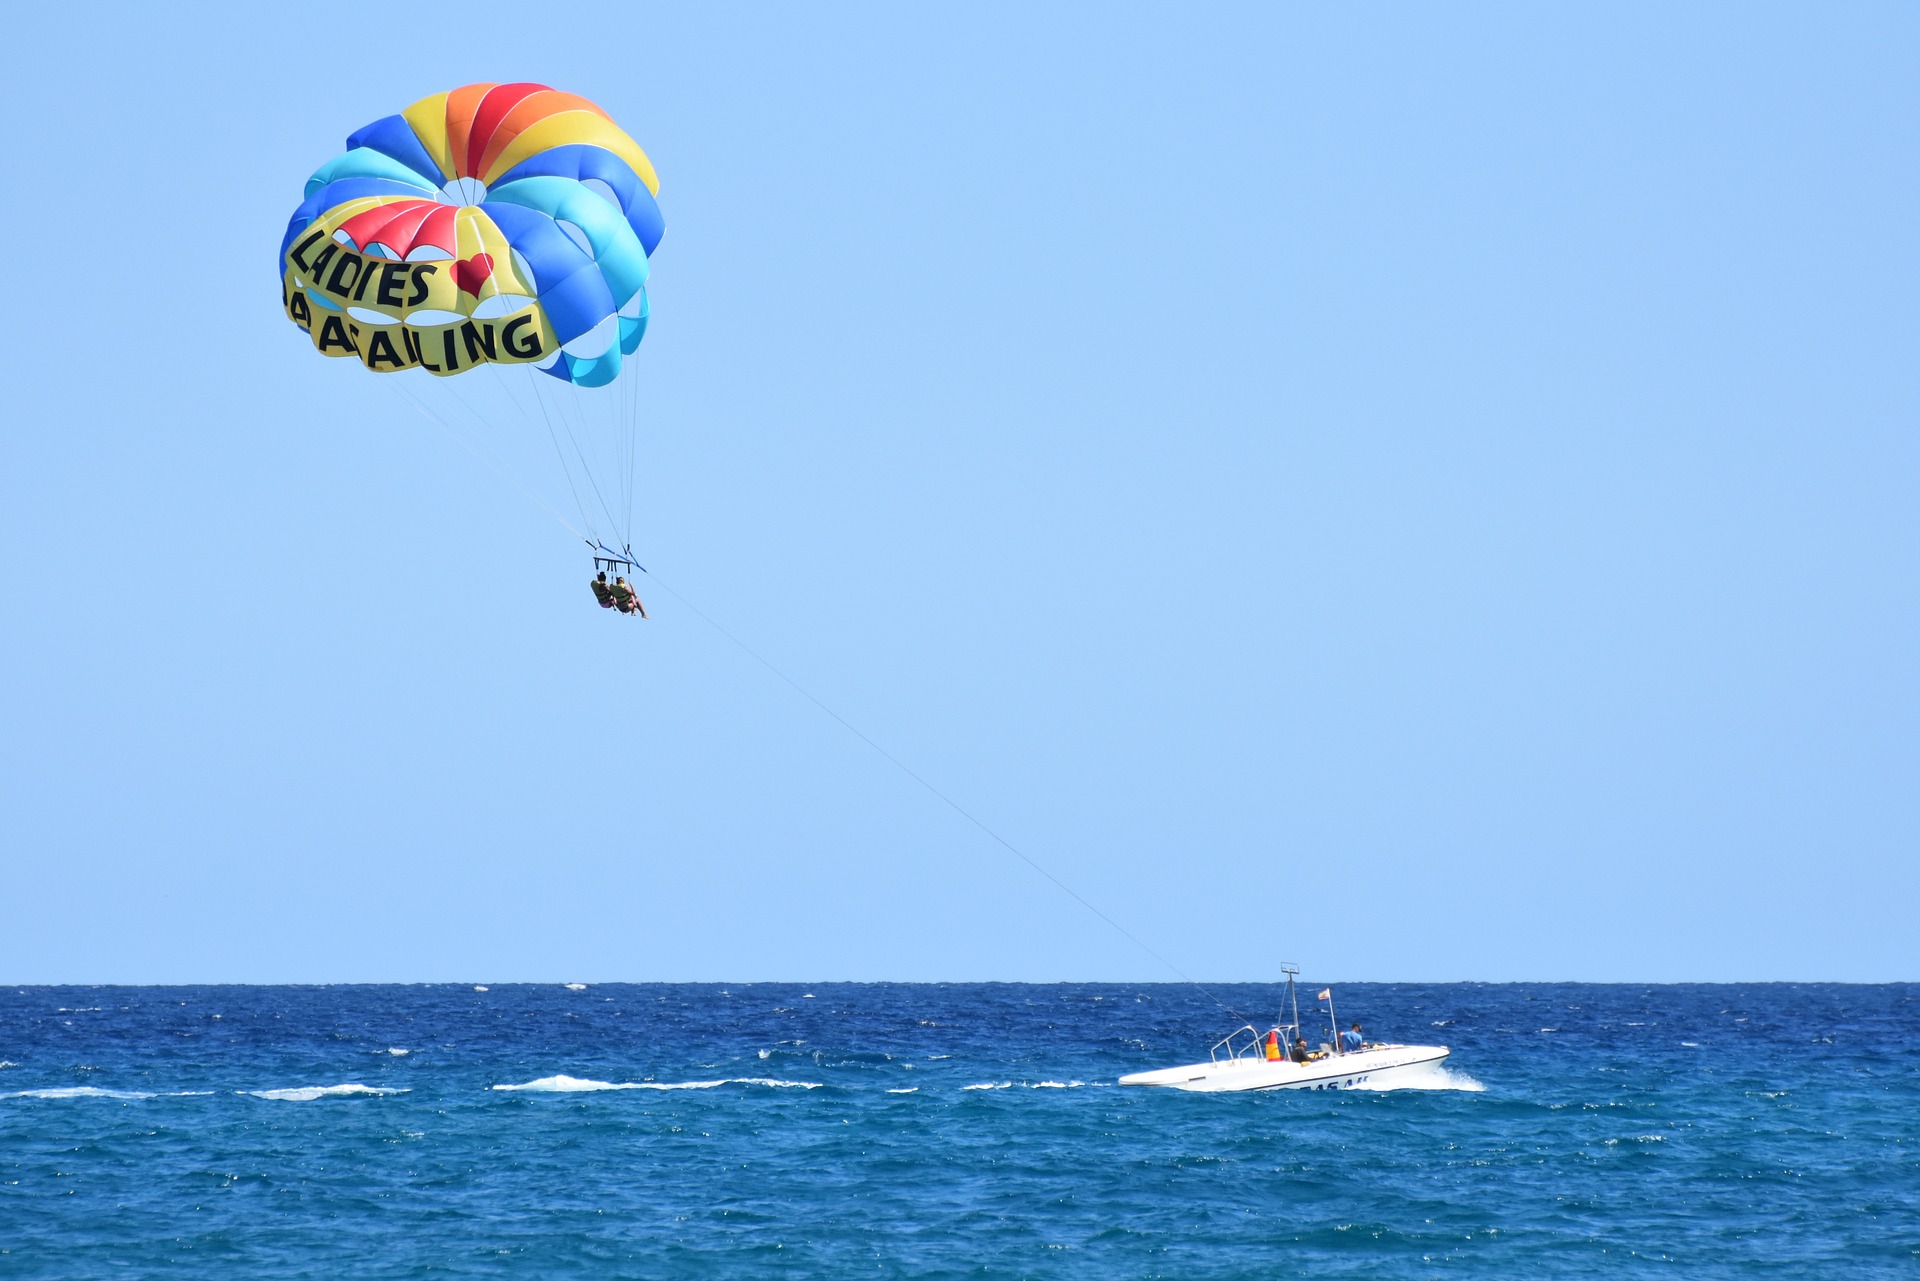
x=846, y=1130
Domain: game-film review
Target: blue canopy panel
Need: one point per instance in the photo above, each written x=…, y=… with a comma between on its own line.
x=584, y=215
x=633, y=322
x=363, y=162
x=583, y=162
x=569, y=283
x=392, y=136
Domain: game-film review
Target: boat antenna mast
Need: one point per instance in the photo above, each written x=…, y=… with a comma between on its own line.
x=1292, y=972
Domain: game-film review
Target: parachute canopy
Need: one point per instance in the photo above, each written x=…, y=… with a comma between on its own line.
x=506, y=224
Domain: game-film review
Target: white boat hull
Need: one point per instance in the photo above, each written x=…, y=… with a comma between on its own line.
x=1384, y=1067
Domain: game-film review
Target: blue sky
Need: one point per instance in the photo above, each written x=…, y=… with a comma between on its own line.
x=1425, y=492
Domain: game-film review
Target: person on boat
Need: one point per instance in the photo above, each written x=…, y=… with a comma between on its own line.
x=1350, y=1040
x=1299, y=1049
x=601, y=592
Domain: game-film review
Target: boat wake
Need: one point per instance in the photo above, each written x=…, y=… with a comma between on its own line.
x=1440, y=1078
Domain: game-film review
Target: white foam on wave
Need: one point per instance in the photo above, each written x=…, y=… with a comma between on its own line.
x=95, y=1092
x=397, y=1052
x=911, y=1089
x=78, y=1092
x=308, y=1093
x=7, y=1063
x=1025, y=1085
x=1438, y=1078
x=563, y=1084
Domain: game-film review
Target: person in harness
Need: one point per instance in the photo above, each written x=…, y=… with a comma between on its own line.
x=625, y=599
x=602, y=592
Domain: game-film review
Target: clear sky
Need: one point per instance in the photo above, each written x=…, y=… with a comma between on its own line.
x=1423, y=491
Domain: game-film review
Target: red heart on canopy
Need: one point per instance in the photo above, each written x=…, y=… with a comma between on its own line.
x=472, y=273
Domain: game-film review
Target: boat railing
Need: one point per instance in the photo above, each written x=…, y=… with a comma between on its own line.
x=1229, y=1047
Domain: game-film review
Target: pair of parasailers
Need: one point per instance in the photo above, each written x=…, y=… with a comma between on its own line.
x=618, y=594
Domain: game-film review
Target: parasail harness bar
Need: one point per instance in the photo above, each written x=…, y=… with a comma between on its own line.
x=605, y=558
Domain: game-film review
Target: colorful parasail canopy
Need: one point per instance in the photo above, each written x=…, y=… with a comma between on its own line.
x=496, y=223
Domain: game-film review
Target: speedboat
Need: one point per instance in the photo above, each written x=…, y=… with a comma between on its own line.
x=1246, y=1059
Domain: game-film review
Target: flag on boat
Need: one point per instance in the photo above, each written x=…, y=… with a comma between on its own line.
x=1326, y=994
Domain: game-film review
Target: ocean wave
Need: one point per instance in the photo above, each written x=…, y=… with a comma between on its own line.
x=308, y=1093
x=7, y=1063
x=911, y=1089
x=1025, y=1085
x=572, y=1085
x=95, y=1092
x=564, y=1084
x=397, y=1052
x=79, y=1092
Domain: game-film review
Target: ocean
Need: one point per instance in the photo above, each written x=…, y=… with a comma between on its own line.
x=948, y=1130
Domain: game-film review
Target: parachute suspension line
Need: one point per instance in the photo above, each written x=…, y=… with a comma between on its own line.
x=626, y=438
x=631, y=424
x=498, y=470
x=549, y=415
x=612, y=400
x=586, y=464
x=557, y=451
x=573, y=438
x=620, y=449
x=952, y=804
x=624, y=411
x=604, y=431
x=607, y=429
x=487, y=420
